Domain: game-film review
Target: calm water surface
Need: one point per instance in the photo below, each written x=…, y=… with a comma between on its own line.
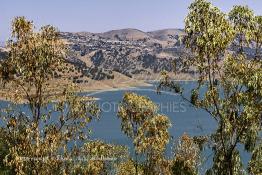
x=184, y=117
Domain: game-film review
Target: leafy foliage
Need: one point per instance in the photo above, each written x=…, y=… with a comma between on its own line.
x=35, y=138
x=231, y=81
x=149, y=131
x=102, y=158
x=186, y=156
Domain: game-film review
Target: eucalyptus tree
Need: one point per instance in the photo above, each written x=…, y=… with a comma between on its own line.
x=55, y=121
x=187, y=158
x=148, y=130
x=105, y=158
x=257, y=35
x=152, y=138
x=242, y=19
x=228, y=83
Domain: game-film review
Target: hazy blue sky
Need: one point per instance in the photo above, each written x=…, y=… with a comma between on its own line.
x=103, y=15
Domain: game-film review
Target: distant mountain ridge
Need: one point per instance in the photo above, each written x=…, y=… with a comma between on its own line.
x=132, y=34
x=125, y=34
x=166, y=34
x=124, y=54
x=131, y=52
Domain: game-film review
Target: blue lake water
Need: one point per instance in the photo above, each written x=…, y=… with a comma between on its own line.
x=184, y=117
